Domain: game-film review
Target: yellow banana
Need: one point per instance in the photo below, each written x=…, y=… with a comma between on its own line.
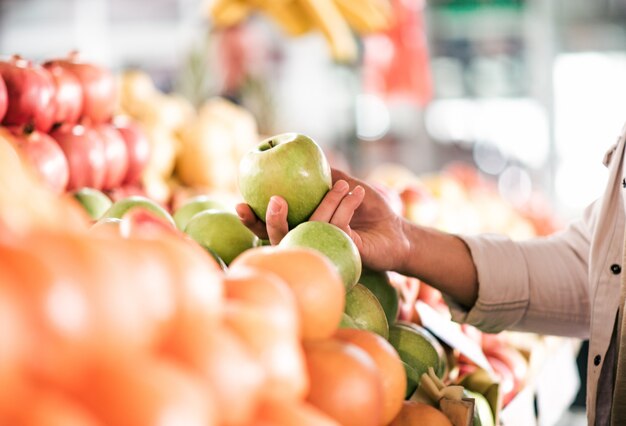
x=365, y=16
x=226, y=13
x=288, y=14
x=328, y=19
x=383, y=7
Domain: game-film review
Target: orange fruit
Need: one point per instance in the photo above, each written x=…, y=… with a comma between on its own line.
x=345, y=382
x=92, y=295
x=419, y=414
x=314, y=280
x=48, y=407
x=275, y=346
x=13, y=337
x=63, y=332
x=297, y=413
x=389, y=365
x=230, y=369
x=264, y=290
x=146, y=390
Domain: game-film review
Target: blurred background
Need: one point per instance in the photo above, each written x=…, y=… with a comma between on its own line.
x=530, y=93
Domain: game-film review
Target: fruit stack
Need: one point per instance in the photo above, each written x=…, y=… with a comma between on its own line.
x=437, y=199
x=60, y=117
x=198, y=149
x=129, y=310
x=130, y=314
x=134, y=323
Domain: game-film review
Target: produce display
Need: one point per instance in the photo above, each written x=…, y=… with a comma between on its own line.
x=132, y=294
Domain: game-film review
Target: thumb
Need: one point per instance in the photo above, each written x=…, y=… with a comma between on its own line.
x=276, y=219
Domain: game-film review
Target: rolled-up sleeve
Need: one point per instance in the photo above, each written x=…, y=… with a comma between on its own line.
x=539, y=285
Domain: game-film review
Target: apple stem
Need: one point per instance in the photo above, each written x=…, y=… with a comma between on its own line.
x=271, y=143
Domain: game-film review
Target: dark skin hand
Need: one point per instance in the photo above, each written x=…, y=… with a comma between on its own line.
x=386, y=241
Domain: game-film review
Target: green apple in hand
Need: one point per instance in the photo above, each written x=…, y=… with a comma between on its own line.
x=94, y=201
x=120, y=207
x=221, y=233
x=331, y=242
x=291, y=165
x=193, y=206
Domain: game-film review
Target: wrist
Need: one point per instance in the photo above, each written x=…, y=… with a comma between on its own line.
x=409, y=251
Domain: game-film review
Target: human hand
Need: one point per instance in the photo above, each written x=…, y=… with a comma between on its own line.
x=353, y=206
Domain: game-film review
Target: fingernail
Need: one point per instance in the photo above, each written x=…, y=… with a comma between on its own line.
x=274, y=206
x=239, y=212
x=341, y=186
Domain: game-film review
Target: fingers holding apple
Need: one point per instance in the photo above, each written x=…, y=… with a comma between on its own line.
x=331, y=200
x=275, y=226
x=345, y=208
x=290, y=165
x=276, y=219
x=248, y=218
x=337, y=207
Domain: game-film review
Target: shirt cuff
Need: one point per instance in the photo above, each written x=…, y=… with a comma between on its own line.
x=503, y=284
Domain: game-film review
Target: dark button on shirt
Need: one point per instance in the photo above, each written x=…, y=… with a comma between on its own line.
x=616, y=269
x=606, y=381
x=596, y=360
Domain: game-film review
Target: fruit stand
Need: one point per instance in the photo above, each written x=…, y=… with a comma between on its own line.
x=132, y=293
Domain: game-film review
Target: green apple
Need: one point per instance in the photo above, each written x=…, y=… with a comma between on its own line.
x=332, y=242
x=291, y=165
x=94, y=201
x=418, y=348
x=365, y=310
x=219, y=260
x=378, y=283
x=347, y=321
x=122, y=206
x=193, y=206
x=412, y=380
x=221, y=233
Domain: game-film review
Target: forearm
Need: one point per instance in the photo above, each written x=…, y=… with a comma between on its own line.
x=443, y=261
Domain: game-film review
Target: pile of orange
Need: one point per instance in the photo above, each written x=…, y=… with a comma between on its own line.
x=103, y=336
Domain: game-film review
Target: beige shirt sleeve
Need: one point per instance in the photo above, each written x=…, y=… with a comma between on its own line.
x=539, y=285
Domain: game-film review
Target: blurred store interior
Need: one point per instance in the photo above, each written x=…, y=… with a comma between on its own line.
x=531, y=93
